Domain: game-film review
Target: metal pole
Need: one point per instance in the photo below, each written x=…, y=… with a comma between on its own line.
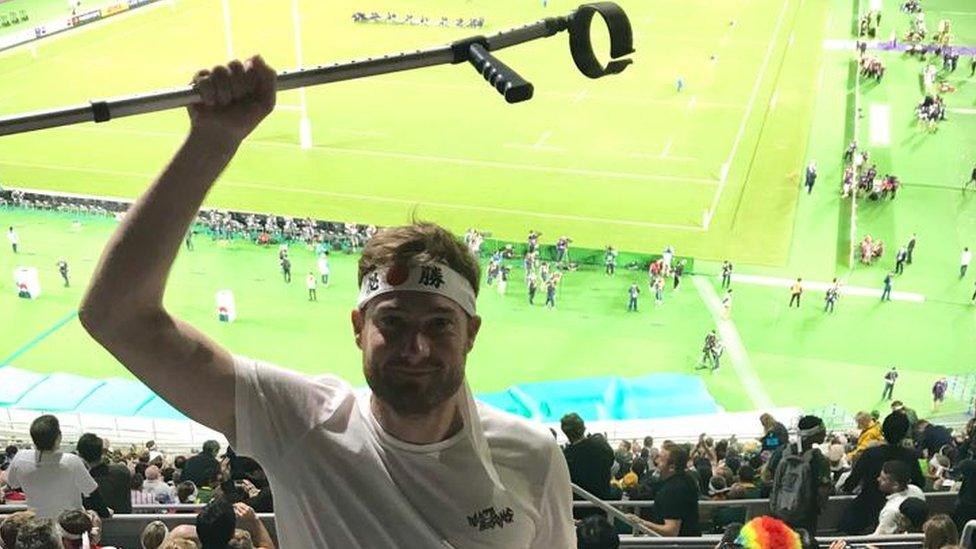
x=613, y=511
x=228, y=36
x=304, y=124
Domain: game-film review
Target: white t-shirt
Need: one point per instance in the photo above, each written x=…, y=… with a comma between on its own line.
x=323, y=266
x=967, y=257
x=53, y=485
x=886, y=519
x=339, y=480
x=12, y=237
x=310, y=282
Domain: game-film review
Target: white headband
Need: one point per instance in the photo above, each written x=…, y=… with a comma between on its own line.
x=430, y=278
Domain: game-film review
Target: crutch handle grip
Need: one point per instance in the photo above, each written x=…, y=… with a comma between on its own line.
x=501, y=77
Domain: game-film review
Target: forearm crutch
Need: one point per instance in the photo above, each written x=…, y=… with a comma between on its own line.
x=475, y=50
x=612, y=512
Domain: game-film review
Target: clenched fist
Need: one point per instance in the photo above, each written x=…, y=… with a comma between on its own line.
x=235, y=99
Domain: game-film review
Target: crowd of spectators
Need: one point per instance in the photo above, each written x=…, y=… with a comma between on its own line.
x=69, y=493
x=888, y=465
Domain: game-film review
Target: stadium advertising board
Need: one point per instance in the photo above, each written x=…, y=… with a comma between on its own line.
x=114, y=9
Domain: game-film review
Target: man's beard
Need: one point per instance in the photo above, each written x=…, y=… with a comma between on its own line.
x=413, y=396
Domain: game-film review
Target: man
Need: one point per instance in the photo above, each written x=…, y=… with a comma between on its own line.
x=939, y=391
x=323, y=265
x=39, y=533
x=795, y=291
x=900, y=257
x=967, y=257
x=551, y=293
x=533, y=286
x=727, y=304
x=966, y=503
x=972, y=176
x=890, y=377
x=863, y=512
x=708, y=351
x=811, y=176
x=310, y=284
x=677, y=272
x=589, y=459
x=886, y=289
x=63, y=270
x=870, y=434
x=285, y=268
x=155, y=486
x=675, y=511
x=610, y=261
x=113, y=479
x=414, y=461
x=13, y=238
x=189, y=240
x=633, y=292
x=797, y=505
x=930, y=438
x=893, y=481
x=11, y=525
x=53, y=481
x=202, y=468
x=910, y=247
x=911, y=414
x=726, y=274
x=830, y=298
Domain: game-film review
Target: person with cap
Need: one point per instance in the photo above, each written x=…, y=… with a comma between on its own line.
x=785, y=461
x=863, y=512
x=895, y=482
x=930, y=438
x=413, y=461
x=910, y=413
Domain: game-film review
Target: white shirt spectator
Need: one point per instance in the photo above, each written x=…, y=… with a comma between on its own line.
x=323, y=264
x=54, y=483
x=12, y=237
x=886, y=519
x=159, y=490
x=310, y=282
x=967, y=257
x=322, y=448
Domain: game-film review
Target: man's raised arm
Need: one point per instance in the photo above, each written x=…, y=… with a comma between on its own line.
x=123, y=306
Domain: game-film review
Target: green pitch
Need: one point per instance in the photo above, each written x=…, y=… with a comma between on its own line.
x=625, y=160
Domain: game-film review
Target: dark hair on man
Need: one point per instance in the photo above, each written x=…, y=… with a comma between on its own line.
x=895, y=427
x=185, y=491
x=747, y=474
x=677, y=456
x=135, y=483
x=916, y=511
x=179, y=462
x=140, y=469
x=418, y=243
x=12, y=524
x=812, y=423
x=90, y=447
x=211, y=447
x=595, y=532
x=898, y=472
x=215, y=524
x=807, y=540
x=38, y=534
x=75, y=522
x=572, y=426
x=44, y=431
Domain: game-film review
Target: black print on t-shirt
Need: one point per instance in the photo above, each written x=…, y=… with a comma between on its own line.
x=431, y=276
x=373, y=281
x=489, y=518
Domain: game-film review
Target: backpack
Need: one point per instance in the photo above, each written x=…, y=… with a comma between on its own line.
x=793, y=497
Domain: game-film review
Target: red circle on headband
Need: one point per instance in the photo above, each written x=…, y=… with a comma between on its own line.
x=397, y=275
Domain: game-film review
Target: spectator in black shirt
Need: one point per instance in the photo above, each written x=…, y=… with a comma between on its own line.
x=203, y=468
x=862, y=515
x=931, y=438
x=113, y=479
x=589, y=459
x=675, y=511
x=966, y=504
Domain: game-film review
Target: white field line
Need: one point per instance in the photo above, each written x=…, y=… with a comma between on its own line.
x=494, y=164
x=822, y=286
x=580, y=96
x=667, y=148
x=669, y=158
x=729, y=335
x=271, y=186
x=542, y=139
x=745, y=117
x=962, y=111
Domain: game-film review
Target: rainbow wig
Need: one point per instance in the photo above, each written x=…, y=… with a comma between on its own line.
x=768, y=533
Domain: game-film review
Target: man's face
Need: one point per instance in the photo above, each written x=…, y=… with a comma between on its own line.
x=885, y=484
x=663, y=462
x=414, y=349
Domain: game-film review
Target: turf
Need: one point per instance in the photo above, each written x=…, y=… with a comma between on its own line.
x=367, y=166
x=627, y=160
